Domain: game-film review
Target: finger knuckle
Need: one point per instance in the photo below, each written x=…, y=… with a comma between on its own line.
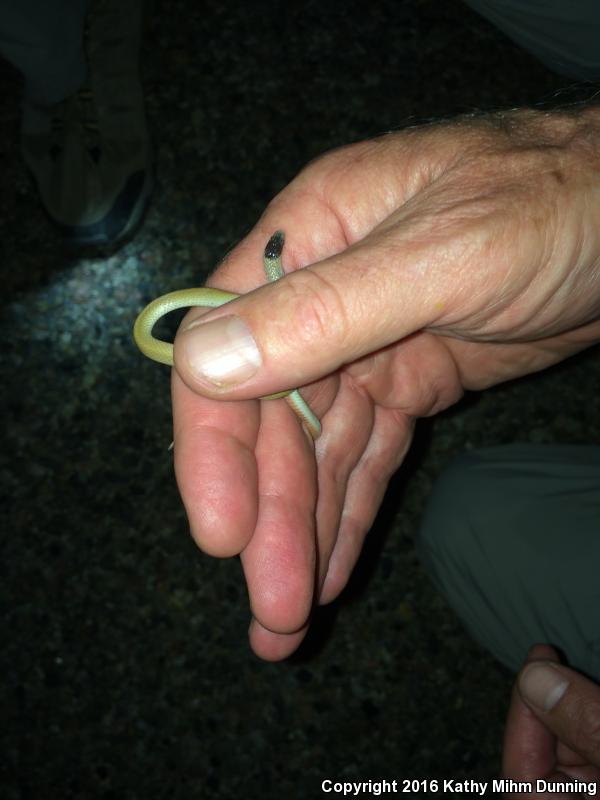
x=317, y=311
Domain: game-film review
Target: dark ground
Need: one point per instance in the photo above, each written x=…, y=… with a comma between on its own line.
x=126, y=666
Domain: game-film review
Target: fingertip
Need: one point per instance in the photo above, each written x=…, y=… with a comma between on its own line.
x=542, y=685
x=566, y=704
x=283, y=606
x=538, y=676
x=334, y=583
x=343, y=559
x=541, y=652
x=217, y=479
x=270, y=646
x=529, y=747
x=217, y=536
x=280, y=560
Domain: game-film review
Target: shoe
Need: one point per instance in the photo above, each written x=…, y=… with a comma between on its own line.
x=90, y=155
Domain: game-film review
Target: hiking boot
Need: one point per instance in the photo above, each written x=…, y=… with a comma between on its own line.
x=90, y=154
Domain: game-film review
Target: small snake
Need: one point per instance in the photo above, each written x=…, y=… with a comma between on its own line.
x=162, y=352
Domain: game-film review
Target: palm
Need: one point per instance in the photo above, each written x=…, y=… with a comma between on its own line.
x=251, y=481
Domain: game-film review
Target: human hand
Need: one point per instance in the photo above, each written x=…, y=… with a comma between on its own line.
x=553, y=728
x=438, y=259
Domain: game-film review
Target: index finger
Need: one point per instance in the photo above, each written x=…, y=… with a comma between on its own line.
x=529, y=747
x=215, y=467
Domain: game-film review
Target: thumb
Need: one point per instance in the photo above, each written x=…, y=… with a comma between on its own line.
x=567, y=703
x=304, y=326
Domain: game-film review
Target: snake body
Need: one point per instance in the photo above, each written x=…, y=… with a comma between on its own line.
x=161, y=351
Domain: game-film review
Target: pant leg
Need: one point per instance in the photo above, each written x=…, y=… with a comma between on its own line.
x=43, y=39
x=563, y=34
x=511, y=536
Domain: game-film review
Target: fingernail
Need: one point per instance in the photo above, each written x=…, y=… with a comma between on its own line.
x=222, y=352
x=542, y=685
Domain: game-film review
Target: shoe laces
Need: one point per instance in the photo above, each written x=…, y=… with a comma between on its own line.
x=77, y=111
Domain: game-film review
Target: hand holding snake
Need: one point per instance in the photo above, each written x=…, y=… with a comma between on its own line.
x=418, y=265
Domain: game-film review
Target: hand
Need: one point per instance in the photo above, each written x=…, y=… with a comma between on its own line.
x=439, y=259
x=553, y=727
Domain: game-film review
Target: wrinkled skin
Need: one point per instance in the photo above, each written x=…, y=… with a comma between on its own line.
x=438, y=259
